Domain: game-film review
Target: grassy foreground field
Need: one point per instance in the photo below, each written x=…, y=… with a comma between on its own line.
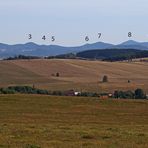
x=32, y=121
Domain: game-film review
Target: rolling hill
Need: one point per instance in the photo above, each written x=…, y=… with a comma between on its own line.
x=80, y=75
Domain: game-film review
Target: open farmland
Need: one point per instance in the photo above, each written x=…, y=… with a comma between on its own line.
x=33, y=121
x=80, y=75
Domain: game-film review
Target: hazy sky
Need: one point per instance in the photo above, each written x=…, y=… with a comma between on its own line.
x=71, y=20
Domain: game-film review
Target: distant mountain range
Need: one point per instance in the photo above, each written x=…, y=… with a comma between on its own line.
x=32, y=49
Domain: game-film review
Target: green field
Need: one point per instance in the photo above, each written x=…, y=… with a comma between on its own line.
x=32, y=121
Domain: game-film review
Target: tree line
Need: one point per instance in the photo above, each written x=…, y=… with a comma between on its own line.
x=137, y=94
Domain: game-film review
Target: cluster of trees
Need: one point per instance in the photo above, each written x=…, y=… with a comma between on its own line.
x=113, y=54
x=63, y=56
x=88, y=94
x=33, y=90
x=104, y=54
x=23, y=57
x=137, y=94
x=23, y=90
x=128, y=56
x=29, y=90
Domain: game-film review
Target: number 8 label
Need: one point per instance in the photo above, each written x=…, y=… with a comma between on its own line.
x=129, y=34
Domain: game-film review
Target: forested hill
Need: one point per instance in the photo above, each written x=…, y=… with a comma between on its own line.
x=113, y=54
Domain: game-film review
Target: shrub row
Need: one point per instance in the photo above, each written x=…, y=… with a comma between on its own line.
x=32, y=90
x=137, y=94
x=22, y=89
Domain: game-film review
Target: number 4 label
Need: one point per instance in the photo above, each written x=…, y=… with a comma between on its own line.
x=44, y=37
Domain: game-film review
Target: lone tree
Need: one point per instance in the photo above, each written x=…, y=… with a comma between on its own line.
x=105, y=79
x=129, y=81
x=57, y=74
x=139, y=94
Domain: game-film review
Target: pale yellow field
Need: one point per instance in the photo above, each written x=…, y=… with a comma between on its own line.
x=75, y=74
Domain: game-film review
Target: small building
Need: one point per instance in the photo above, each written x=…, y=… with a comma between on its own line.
x=110, y=95
x=77, y=93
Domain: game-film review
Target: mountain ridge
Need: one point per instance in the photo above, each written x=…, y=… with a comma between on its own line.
x=33, y=49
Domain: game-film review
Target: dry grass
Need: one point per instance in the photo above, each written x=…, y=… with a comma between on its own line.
x=31, y=121
x=77, y=74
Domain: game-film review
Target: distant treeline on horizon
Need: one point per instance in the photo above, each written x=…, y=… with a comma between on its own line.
x=104, y=55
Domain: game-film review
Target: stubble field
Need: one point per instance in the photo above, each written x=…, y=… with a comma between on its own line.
x=80, y=75
x=33, y=121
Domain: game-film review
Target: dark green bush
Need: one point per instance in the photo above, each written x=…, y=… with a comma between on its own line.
x=138, y=94
x=6, y=91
